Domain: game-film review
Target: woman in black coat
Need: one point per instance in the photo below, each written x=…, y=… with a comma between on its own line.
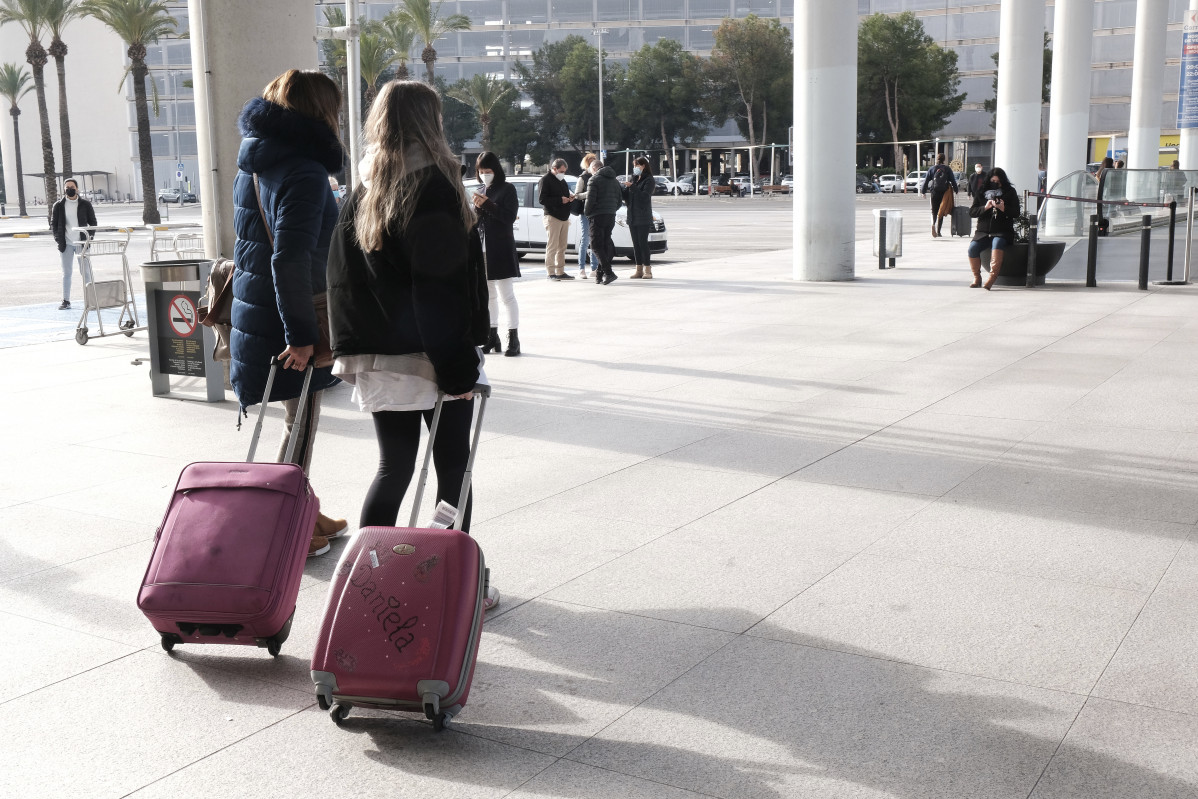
x=995, y=207
x=638, y=195
x=497, y=206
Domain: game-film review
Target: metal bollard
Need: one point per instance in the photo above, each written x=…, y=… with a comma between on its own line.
x=1031, y=253
x=1145, y=247
x=1092, y=254
x=1172, y=233
x=882, y=241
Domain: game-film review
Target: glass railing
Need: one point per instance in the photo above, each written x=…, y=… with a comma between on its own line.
x=1063, y=218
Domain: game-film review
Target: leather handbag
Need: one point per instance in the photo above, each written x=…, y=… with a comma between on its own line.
x=322, y=351
x=217, y=310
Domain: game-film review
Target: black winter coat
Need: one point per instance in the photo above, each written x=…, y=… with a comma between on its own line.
x=58, y=220
x=639, y=197
x=993, y=222
x=293, y=156
x=495, y=219
x=419, y=293
x=603, y=193
x=550, y=192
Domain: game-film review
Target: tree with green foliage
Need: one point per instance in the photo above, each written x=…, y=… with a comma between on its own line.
x=424, y=17
x=377, y=56
x=14, y=84
x=482, y=93
x=541, y=81
x=401, y=36
x=457, y=119
x=906, y=83
x=58, y=14
x=30, y=16
x=660, y=95
x=512, y=130
x=750, y=76
x=138, y=23
x=563, y=83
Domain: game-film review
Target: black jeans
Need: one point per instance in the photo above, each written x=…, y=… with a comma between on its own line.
x=398, y=434
x=937, y=198
x=640, y=243
x=601, y=244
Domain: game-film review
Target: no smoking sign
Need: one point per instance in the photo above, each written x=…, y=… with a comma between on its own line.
x=182, y=316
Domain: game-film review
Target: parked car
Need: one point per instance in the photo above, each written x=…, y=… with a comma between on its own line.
x=684, y=185
x=787, y=180
x=176, y=196
x=890, y=183
x=529, y=227
x=663, y=184
x=915, y=180
x=865, y=185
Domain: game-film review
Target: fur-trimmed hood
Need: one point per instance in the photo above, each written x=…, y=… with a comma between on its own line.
x=272, y=133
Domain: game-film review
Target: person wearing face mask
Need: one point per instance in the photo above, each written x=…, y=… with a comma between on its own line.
x=995, y=208
x=638, y=194
x=603, y=200
x=555, y=197
x=497, y=206
x=976, y=181
x=69, y=219
x=576, y=208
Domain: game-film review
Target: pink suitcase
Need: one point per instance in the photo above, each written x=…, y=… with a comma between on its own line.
x=405, y=613
x=230, y=552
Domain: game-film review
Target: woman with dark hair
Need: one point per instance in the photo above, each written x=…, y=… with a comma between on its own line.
x=496, y=204
x=404, y=279
x=995, y=208
x=638, y=195
x=285, y=213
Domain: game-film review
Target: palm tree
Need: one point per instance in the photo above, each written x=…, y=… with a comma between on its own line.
x=58, y=13
x=401, y=36
x=483, y=92
x=424, y=16
x=335, y=56
x=376, y=56
x=30, y=16
x=14, y=84
x=137, y=23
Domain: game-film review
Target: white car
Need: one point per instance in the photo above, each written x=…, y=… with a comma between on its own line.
x=915, y=180
x=889, y=183
x=684, y=185
x=529, y=227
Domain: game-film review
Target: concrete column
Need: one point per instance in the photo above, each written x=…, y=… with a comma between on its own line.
x=1069, y=112
x=1020, y=77
x=1144, y=131
x=226, y=37
x=825, y=123
x=1189, y=136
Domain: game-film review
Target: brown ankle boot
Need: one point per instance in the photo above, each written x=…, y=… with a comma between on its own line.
x=995, y=267
x=639, y=273
x=975, y=266
x=329, y=528
x=648, y=272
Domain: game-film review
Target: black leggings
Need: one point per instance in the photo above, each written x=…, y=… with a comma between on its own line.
x=640, y=243
x=398, y=433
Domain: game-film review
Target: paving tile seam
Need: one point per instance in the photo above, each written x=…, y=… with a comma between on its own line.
x=128, y=545
x=1144, y=705
x=133, y=651
x=1057, y=749
x=643, y=778
x=214, y=752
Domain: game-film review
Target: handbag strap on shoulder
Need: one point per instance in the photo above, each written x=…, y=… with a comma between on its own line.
x=262, y=212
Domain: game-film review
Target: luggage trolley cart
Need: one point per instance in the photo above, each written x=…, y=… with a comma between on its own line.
x=101, y=294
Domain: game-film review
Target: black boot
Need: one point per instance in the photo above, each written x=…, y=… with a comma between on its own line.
x=493, y=343
x=513, y=344
x=611, y=275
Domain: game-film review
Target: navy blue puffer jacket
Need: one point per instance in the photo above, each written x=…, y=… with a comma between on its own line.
x=293, y=156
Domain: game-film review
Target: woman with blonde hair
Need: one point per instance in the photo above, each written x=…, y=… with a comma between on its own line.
x=408, y=298
x=285, y=214
x=584, y=232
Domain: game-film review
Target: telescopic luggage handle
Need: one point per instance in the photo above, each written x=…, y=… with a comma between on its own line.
x=299, y=414
x=480, y=390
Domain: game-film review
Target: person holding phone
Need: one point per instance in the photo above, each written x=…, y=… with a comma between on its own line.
x=497, y=206
x=995, y=207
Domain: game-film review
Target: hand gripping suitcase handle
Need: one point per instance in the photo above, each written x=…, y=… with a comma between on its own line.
x=484, y=392
x=299, y=414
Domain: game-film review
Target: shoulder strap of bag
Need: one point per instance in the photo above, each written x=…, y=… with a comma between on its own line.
x=258, y=194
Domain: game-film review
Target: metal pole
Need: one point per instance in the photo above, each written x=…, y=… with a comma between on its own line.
x=1172, y=233
x=1189, y=232
x=599, y=33
x=1031, y=253
x=1092, y=254
x=353, y=69
x=882, y=241
x=1145, y=247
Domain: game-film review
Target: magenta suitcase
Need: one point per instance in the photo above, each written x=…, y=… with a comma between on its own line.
x=404, y=614
x=230, y=552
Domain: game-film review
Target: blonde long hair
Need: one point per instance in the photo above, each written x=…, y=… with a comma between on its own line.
x=404, y=134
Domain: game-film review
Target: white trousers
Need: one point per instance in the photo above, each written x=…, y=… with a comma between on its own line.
x=505, y=290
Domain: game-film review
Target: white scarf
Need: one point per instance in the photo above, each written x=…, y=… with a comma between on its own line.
x=415, y=158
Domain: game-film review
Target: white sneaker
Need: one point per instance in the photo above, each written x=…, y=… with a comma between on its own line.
x=492, y=598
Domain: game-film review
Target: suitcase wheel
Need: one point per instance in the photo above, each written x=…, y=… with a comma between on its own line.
x=439, y=721
x=338, y=713
x=168, y=641
x=322, y=701
x=273, y=645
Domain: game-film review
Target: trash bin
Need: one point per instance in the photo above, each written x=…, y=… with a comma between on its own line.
x=894, y=232
x=179, y=345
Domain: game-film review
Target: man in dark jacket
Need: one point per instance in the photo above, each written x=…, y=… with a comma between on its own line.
x=604, y=196
x=555, y=197
x=70, y=215
x=976, y=181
